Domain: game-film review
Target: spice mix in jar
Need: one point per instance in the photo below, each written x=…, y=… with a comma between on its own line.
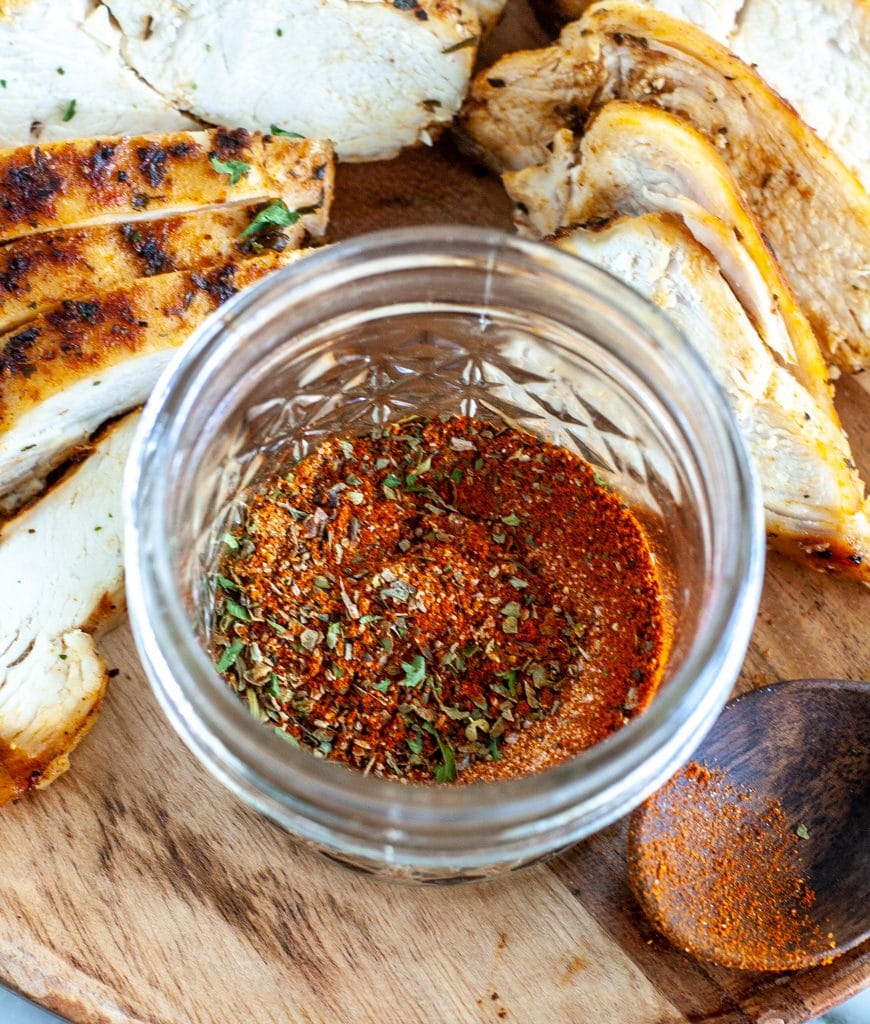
x=440, y=601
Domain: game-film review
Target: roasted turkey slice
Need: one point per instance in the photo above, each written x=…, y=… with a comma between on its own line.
x=38, y=270
x=95, y=357
x=62, y=568
x=637, y=159
x=814, y=500
x=125, y=179
x=815, y=53
x=814, y=212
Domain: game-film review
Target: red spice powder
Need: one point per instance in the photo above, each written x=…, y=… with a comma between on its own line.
x=718, y=869
x=440, y=600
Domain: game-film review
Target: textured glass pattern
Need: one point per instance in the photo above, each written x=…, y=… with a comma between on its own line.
x=444, y=363
x=439, y=322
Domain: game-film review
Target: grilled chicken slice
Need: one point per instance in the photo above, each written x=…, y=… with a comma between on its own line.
x=815, y=53
x=123, y=179
x=488, y=11
x=814, y=500
x=93, y=358
x=62, y=569
x=715, y=17
x=54, y=52
x=37, y=270
x=373, y=76
x=812, y=209
x=636, y=159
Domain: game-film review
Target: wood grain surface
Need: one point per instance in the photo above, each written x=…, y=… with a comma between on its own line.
x=137, y=890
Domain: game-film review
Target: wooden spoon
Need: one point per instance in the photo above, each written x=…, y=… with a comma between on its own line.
x=725, y=858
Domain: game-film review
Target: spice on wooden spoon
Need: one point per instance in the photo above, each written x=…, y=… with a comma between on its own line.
x=755, y=855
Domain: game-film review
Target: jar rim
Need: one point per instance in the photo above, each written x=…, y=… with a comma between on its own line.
x=426, y=824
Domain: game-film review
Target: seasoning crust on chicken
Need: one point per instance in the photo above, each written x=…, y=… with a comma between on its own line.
x=92, y=358
x=812, y=209
x=118, y=180
x=52, y=678
x=814, y=53
x=715, y=17
x=636, y=159
x=814, y=500
x=112, y=251
x=36, y=269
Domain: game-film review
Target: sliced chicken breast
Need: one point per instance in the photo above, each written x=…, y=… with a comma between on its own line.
x=812, y=209
x=122, y=179
x=815, y=53
x=715, y=17
x=636, y=159
x=62, y=569
x=373, y=76
x=814, y=500
x=38, y=270
x=93, y=358
x=54, y=52
x=488, y=11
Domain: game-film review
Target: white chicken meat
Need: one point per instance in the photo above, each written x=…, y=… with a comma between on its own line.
x=815, y=53
x=372, y=76
x=54, y=52
x=815, y=506
x=636, y=159
x=814, y=212
x=52, y=677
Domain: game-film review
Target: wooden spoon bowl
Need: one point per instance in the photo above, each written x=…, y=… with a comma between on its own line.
x=789, y=766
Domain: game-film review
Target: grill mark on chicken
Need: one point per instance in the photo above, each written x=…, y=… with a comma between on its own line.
x=98, y=166
x=81, y=183
x=37, y=269
x=14, y=359
x=152, y=164
x=180, y=150
x=230, y=144
x=30, y=188
x=149, y=247
x=112, y=318
x=16, y=268
x=219, y=284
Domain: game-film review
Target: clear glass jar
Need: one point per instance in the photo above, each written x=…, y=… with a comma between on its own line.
x=432, y=321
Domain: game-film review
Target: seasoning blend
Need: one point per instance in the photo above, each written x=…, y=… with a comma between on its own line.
x=440, y=601
x=727, y=863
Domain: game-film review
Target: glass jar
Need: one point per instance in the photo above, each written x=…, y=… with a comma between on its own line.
x=442, y=321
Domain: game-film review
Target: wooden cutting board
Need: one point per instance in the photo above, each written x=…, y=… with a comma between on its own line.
x=137, y=890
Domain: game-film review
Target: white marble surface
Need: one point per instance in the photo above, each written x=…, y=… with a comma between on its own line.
x=14, y=1010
